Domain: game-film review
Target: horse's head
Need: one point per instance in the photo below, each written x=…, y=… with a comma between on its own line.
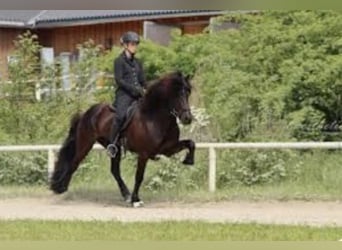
x=171, y=93
x=179, y=97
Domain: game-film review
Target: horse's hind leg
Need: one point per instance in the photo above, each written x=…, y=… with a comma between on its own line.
x=115, y=169
x=181, y=145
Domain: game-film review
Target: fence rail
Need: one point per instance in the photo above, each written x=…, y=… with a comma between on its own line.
x=212, y=147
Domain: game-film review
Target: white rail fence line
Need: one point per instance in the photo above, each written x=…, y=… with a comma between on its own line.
x=51, y=149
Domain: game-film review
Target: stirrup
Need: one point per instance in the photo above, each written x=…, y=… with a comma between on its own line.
x=112, y=150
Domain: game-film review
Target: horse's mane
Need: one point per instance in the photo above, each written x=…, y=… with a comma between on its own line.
x=162, y=91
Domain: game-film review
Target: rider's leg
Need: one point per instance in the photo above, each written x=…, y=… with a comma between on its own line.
x=115, y=133
x=121, y=104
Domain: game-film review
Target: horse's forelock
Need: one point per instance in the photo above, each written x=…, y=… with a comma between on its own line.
x=177, y=80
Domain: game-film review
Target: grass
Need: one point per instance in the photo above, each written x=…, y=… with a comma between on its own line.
x=318, y=178
x=77, y=230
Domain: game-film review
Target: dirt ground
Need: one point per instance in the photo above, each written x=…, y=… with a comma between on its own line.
x=275, y=212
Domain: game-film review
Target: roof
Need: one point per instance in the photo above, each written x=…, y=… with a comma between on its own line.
x=57, y=18
x=17, y=17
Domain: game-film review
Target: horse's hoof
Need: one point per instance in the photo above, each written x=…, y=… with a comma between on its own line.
x=155, y=158
x=128, y=199
x=137, y=204
x=188, y=161
x=58, y=189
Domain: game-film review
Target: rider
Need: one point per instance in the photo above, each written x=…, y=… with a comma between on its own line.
x=130, y=81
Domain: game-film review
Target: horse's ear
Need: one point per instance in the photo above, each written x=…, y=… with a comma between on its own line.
x=187, y=77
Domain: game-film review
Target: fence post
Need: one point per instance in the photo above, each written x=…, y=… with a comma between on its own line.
x=212, y=169
x=51, y=162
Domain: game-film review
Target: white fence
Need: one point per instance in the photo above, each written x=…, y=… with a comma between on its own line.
x=212, y=147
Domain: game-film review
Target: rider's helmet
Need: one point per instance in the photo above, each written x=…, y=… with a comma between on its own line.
x=130, y=36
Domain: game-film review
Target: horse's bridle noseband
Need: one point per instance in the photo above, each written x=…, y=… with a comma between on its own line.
x=176, y=114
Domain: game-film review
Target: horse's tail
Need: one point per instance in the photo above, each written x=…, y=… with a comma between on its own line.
x=63, y=167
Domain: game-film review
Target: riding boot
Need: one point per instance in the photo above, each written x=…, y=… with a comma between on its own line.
x=112, y=148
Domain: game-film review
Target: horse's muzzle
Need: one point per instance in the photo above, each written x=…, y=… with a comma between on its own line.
x=186, y=118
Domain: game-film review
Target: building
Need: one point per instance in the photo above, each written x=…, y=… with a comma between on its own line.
x=61, y=30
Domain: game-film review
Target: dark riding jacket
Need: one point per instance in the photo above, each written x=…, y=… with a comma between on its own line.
x=129, y=76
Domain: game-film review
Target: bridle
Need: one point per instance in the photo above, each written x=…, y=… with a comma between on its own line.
x=176, y=113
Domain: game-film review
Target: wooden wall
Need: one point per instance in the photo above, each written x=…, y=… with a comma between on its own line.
x=194, y=28
x=6, y=47
x=66, y=39
x=188, y=25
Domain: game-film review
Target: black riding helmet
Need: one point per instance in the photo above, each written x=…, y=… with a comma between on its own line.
x=130, y=36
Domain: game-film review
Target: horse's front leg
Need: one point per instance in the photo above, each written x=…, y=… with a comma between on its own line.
x=139, y=176
x=190, y=156
x=115, y=169
x=179, y=146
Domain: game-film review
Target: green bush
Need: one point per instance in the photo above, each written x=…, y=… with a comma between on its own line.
x=257, y=167
x=276, y=65
x=23, y=169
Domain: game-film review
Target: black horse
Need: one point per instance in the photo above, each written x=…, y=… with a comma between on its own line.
x=152, y=131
